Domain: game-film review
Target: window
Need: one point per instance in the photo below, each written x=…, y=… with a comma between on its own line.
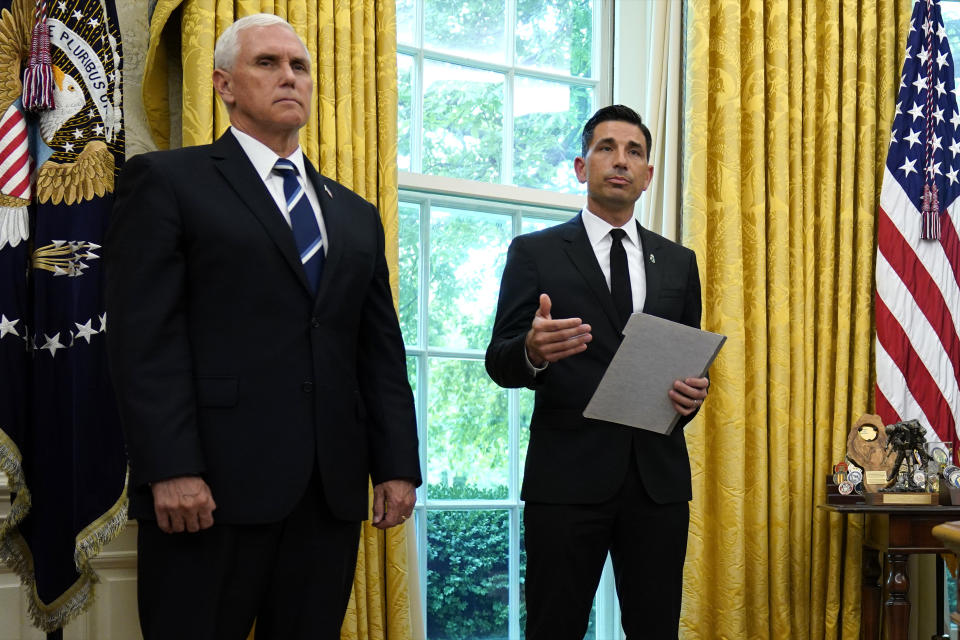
x=496, y=91
x=492, y=97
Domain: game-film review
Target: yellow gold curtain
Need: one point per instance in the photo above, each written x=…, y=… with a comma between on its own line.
x=788, y=111
x=352, y=138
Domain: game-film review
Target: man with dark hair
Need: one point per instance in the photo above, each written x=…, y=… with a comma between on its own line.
x=258, y=363
x=593, y=487
x=617, y=112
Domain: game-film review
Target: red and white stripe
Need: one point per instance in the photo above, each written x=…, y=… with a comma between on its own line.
x=917, y=309
x=14, y=155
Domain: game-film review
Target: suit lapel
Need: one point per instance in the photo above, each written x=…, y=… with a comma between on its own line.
x=333, y=219
x=585, y=260
x=232, y=162
x=649, y=247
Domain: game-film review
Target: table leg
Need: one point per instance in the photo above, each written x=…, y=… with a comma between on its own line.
x=870, y=595
x=896, y=618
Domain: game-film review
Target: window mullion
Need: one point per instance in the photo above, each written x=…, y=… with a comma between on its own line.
x=423, y=299
x=508, y=89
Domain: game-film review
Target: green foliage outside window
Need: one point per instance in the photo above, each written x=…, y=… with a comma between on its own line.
x=463, y=114
x=467, y=582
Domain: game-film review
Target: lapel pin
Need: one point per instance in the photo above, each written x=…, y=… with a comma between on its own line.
x=652, y=259
x=327, y=189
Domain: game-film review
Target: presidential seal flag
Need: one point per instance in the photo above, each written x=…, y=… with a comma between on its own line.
x=61, y=448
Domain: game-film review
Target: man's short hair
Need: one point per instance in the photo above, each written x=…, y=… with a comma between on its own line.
x=616, y=112
x=228, y=44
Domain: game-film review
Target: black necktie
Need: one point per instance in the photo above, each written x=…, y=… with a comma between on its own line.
x=620, y=277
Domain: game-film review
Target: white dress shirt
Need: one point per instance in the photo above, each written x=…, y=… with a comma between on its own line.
x=598, y=232
x=263, y=159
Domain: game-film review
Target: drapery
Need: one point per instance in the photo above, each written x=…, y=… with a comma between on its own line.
x=352, y=138
x=788, y=107
x=662, y=112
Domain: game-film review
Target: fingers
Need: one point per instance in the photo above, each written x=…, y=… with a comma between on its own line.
x=687, y=395
x=545, y=304
x=550, y=340
x=377, y=504
x=183, y=504
x=399, y=496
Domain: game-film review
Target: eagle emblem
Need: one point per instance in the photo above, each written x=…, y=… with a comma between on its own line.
x=68, y=154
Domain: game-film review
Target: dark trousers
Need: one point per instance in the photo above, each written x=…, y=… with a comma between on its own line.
x=567, y=546
x=293, y=576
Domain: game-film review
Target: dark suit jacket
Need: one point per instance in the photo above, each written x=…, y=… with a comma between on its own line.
x=572, y=459
x=226, y=365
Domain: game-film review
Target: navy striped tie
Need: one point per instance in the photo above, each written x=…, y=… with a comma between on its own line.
x=303, y=220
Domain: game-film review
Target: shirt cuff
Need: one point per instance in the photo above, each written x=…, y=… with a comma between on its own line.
x=532, y=369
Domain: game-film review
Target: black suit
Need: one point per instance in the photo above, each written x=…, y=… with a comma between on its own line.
x=572, y=460
x=227, y=366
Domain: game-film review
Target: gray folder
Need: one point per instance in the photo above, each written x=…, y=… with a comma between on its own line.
x=654, y=353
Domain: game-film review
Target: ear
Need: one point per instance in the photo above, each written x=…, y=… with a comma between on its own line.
x=649, y=176
x=223, y=86
x=580, y=166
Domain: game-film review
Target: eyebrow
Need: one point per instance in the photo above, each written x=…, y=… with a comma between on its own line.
x=631, y=143
x=273, y=57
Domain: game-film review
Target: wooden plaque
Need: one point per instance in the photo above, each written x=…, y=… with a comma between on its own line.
x=866, y=448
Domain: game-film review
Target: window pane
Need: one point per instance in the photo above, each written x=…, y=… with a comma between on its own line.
x=467, y=431
x=408, y=272
x=475, y=30
x=548, y=119
x=467, y=584
x=467, y=254
x=404, y=110
x=555, y=35
x=536, y=224
x=406, y=17
x=462, y=122
x=412, y=374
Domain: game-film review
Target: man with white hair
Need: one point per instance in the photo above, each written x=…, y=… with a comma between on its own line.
x=258, y=362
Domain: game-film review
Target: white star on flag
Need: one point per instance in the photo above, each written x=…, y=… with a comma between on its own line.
x=8, y=326
x=908, y=168
x=52, y=344
x=85, y=331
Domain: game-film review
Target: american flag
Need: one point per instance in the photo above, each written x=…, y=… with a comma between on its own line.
x=918, y=257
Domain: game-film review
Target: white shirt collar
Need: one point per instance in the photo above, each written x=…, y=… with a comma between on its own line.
x=263, y=157
x=598, y=229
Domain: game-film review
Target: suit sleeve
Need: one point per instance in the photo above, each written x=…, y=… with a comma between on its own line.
x=692, y=312
x=387, y=398
x=693, y=305
x=147, y=343
x=516, y=307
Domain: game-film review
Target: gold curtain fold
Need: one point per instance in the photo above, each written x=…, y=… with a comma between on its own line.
x=352, y=138
x=788, y=111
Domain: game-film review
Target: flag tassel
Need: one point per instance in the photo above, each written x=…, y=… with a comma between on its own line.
x=38, y=76
x=930, y=215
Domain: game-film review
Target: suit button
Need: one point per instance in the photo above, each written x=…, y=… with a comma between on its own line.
x=307, y=387
x=315, y=323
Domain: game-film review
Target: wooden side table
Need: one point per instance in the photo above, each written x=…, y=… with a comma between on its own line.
x=896, y=531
